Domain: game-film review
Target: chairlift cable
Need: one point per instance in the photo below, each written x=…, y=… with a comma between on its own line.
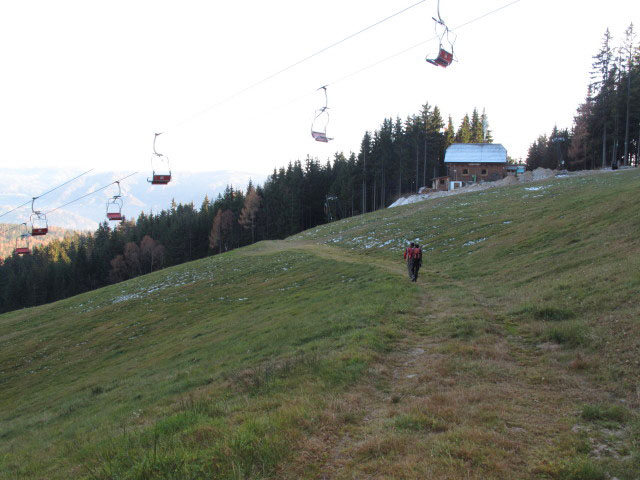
x=397, y=54
x=17, y=208
x=485, y=15
x=46, y=193
x=12, y=228
x=295, y=64
x=76, y=199
x=91, y=193
x=390, y=57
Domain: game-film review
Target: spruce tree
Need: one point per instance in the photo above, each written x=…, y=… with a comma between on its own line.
x=434, y=148
x=487, y=137
x=601, y=82
x=476, y=127
x=464, y=131
x=628, y=50
x=449, y=134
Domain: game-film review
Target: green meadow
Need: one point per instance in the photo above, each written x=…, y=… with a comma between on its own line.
x=515, y=355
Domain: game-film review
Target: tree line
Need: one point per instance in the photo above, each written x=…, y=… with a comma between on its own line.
x=397, y=158
x=10, y=237
x=606, y=127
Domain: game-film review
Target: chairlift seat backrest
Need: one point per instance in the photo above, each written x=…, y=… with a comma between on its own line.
x=159, y=162
x=39, y=224
x=160, y=179
x=114, y=215
x=443, y=59
x=320, y=136
x=22, y=242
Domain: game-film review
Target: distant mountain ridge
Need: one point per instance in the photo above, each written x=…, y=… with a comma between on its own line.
x=19, y=185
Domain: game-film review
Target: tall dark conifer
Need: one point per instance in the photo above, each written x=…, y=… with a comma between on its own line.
x=476, y=127
x=463, y=135
x=601, y=81
x=449, y=134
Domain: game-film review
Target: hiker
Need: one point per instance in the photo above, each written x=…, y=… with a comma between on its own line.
x=417, y=261
x=408, y=256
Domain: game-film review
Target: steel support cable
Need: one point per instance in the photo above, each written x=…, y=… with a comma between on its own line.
x=46, y=193
x=91, y=193
x=295, y=64
x=12, y=228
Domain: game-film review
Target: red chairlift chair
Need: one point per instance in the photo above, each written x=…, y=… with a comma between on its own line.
x=22, y=242
x=23, y=250
x=159, y=160
x=39, y=224
x=158, y=179
x=320, y=134
x=444, y=59
x=445, y=55
x=114, y=206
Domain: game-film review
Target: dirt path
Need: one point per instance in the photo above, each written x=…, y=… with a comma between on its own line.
x=412, y=362
x=459, y=397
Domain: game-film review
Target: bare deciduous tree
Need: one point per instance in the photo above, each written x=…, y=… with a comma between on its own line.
x=132, y=258
x=118, y=270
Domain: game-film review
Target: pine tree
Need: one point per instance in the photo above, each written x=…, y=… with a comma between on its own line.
x=487, y=137
x=464, y=131
x=365, y=154
x=538, y=154
x=628, y=49
x=449, y=134
x=477, y=134
x=579, y=154
x=434, y=147
x=601, y=83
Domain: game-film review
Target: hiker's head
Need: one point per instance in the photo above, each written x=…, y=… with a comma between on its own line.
x=411, y=245
x=417, y=246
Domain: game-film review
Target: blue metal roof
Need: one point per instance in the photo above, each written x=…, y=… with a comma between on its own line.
x=476, y=153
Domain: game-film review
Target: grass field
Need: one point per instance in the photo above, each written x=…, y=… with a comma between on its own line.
x=516, y=355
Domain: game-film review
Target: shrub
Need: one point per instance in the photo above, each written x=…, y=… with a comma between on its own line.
x=420, y=423
x=572, y=333
x=614, y=413
x=581, y=469
x=546, y=313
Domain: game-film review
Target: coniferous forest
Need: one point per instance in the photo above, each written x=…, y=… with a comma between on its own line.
x=397, y=159
x=606, y=128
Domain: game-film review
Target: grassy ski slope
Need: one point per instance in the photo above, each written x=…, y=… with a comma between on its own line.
x=516, y=355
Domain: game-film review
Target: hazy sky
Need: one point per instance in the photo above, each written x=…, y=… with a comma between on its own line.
x=86, y=83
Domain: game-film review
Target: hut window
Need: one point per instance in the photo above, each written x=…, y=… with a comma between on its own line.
x=465, y=171
x=484, y=171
